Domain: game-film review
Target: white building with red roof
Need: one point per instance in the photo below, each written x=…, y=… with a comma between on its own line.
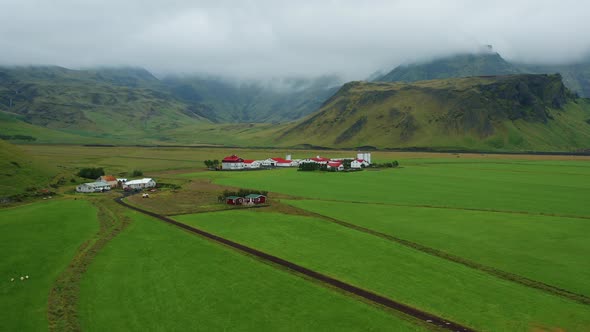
x=232, y=163
x=337, y=165
x=251, y=163
x=280, y=162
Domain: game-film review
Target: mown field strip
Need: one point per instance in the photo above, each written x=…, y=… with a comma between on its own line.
x=353, y=290
x=427, y=206
x=457, y=259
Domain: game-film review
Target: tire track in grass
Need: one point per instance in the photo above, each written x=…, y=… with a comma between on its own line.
x=424, y=316
x=553, y=290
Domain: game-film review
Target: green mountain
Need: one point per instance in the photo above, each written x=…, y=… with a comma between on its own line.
x=461, y=65
x=94, y=103
x=515, y=112
x=575, y=76
x=119, y=104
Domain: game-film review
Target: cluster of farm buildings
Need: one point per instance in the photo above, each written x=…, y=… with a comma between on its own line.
x=108, y=182
x=233, y=162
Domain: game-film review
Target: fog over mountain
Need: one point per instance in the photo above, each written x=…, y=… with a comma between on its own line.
x=270, y=39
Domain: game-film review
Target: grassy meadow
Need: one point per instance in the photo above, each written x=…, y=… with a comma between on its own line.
x=447, y=289
x=38, y=240
x=155, y=277
x=523, y=214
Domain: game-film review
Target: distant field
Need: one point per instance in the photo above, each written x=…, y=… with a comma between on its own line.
x=529, y=186
x=159, y=278
x=553, y=250
x=430, y=283
x=38, y=240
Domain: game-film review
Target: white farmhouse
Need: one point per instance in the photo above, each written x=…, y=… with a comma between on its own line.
x=232, y=162
x=93, y=187
x=251, y=164
x=140, y=184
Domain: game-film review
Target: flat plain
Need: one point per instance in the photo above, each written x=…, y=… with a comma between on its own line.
x=525, y=215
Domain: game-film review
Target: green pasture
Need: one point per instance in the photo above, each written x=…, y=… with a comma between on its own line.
x=424, y=281
x=38, y=240
x=488, y=185
x=155, y=277
x=553, y=250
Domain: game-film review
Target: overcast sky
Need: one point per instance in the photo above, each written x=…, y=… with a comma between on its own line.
x=261, y=39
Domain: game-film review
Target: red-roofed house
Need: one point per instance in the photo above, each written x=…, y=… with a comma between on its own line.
x=337, y=165
x=280, y=162
x=251, y=163
x=111, y=180
x=232, y=162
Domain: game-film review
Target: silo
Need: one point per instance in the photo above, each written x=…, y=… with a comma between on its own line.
x=288, y=157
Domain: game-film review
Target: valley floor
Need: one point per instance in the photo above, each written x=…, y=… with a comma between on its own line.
x=490, y=242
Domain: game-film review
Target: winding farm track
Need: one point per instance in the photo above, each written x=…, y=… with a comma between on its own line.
x=348, y=288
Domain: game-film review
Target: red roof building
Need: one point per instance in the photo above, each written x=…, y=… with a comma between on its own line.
x=232, y=159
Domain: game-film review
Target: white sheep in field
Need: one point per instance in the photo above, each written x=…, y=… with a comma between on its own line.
x=11, y=279
x=26, y=277
x=22, y=278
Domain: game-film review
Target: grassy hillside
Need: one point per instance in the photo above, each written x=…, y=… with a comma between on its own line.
x=19, y=171
x=117, y=103
x=518, y=112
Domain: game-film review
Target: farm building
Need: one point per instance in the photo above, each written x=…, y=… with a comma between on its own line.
x=319, y=160
x=232, y=162
x=250, y=163
x=93, y=187
x=111, y=180
x=280, y=162
x=358, y=163
x=140, y=184
x=234, y=200
x=255, y=199
x=337, y=165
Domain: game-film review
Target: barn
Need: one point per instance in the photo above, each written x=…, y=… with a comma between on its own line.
x=255, y=199
x=234, y=200
x=93, y=187
x=337, y=165
x=232, y=162
x=280, y=162
x=140, y=184
x=250, y=164
x=111, y=180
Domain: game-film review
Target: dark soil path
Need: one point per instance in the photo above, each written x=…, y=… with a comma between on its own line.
x=348, y=288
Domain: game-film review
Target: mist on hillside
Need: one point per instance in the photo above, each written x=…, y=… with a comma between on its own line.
x=274, y=39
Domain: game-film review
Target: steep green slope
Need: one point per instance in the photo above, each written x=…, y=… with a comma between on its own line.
x=518, y=112
x=88, y=103
x=461, y=65
x=19, y=171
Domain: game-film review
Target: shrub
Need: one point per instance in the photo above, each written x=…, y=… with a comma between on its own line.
x=91, y=172
x=137, y=172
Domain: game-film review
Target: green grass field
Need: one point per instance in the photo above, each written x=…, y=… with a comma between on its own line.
x=557, y=188
x=526, y=215
x=451, y=290
x=155, y=277
x=38, y=240
x=553, y=250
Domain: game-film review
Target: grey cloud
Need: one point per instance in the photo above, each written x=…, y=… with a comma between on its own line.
x=263, y=39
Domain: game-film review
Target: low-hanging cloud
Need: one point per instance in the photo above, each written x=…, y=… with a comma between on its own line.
x=263, y=39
